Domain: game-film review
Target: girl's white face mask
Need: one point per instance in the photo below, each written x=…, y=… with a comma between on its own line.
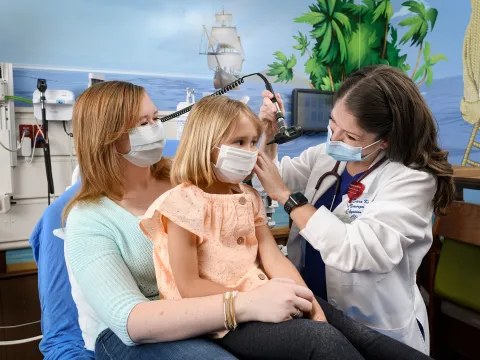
x=146, y=144
x=233, y=164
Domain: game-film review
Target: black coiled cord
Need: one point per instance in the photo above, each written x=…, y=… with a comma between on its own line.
x=222, y=91
x=285, y=134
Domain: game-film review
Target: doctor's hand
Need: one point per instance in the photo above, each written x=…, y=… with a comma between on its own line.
x=268, y=111
x=271, y=180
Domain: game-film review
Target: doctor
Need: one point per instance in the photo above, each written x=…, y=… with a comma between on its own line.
x=362, y=203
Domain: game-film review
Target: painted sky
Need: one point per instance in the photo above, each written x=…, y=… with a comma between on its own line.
x=158, y=36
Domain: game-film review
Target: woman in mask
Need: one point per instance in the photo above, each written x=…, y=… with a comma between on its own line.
x=362, y=203
x=119, y=141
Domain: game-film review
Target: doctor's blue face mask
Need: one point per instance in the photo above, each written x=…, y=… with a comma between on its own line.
x=344, y=152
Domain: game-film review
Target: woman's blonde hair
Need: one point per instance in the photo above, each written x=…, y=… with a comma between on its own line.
x=101, y=116
x=211, y=121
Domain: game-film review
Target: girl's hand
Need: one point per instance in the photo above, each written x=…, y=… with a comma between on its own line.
x=267, y=113
x=276, y=301
x=270, y=179
x=317, y=313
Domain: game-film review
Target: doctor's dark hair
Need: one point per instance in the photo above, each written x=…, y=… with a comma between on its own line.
x=386, y=102
x=103, y=114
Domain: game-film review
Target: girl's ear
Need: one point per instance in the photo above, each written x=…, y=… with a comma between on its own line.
x=214, y=155
x=384, y=145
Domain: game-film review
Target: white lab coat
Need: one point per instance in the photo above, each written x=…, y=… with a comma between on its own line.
x=373, y=253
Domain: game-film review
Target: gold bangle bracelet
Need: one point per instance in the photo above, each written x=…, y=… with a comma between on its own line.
x=225, y=322
x=229, y=311
x=232, y=307
x=230, y=320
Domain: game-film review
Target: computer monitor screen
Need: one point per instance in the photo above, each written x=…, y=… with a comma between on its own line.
x=311, y=109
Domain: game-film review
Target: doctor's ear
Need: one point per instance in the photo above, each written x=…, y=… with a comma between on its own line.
x=384, y=144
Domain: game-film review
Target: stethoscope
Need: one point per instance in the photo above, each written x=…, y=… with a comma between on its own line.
x=355, y=189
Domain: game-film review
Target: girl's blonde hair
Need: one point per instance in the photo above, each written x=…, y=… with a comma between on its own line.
x=101, y=116
x=211, y=121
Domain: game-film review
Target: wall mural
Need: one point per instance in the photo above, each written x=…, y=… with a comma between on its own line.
x=225, y=55
x=346, y=36
x=170, y=46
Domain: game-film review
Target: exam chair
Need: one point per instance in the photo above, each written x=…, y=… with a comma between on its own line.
x=453, y=283
x=62, y=337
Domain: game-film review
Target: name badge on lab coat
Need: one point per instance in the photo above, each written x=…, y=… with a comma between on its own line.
x=351, y=211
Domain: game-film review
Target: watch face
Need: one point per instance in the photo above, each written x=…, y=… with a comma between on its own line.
x=299, y=198
x=295, y=200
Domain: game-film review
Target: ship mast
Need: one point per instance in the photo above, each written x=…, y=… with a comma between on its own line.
x=213, y=50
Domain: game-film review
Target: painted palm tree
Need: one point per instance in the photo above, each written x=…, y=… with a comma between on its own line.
x=359, y=33
x=330, y=26
x=303, y=44
x=284, y=68
x=418, y=26
x=383, y=8
x=425, y=71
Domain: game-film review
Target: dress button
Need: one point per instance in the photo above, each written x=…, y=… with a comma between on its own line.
x=242, y=201
x=240, y=240
x=261, y=276
x=333, y=303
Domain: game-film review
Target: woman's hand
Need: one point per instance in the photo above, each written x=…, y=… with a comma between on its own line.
x=268, y=111
x=276, y=301
x=317, y=313
x=271, y=180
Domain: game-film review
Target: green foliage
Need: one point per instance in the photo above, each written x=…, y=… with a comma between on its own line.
x=384, y=9
x=284, y=68
x=393, y=56
x=425, y=72
x=303, y=43
x=346, y=36
x=316, y=70
x=326, y=85
x=330, y=25
x=418, y=23
x=364, y=48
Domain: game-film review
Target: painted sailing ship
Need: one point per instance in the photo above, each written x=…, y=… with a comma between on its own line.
x=224, y=50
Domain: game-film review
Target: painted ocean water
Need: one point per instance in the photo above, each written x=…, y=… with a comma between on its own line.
x=443, y=97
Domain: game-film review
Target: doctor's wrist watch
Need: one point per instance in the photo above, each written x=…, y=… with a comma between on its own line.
x=294, y=201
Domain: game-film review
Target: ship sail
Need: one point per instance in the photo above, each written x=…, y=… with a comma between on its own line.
x=224, y=61
x=223, y=18
x=224, y=50
x=226, y=38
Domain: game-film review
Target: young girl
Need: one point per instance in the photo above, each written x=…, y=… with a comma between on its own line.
x=211, y=236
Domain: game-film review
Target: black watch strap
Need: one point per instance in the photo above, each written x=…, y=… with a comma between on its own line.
x=294, y=201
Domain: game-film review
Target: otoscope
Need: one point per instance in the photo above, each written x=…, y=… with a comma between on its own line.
x=285, y=133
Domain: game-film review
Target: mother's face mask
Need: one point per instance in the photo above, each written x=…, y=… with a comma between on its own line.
x=146, y=144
